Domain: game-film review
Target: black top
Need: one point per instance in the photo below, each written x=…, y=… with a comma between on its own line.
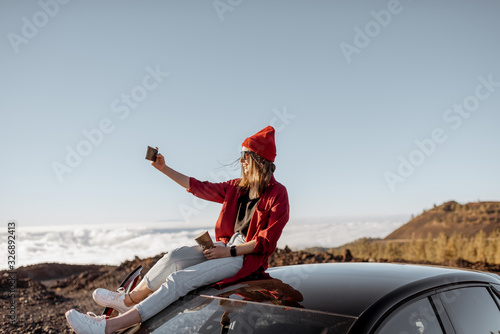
x=246, y=208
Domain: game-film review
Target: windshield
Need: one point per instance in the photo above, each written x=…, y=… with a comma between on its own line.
x=206, y=314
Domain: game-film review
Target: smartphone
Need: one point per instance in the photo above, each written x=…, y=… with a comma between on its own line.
x=151, y=153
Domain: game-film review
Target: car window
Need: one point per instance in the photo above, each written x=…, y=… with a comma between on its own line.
x=472, y=310
x=416, y=317
x=216, y=315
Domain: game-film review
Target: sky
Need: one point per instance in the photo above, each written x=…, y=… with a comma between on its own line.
x=381, y=108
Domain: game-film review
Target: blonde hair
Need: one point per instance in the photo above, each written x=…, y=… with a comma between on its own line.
x=259, y=173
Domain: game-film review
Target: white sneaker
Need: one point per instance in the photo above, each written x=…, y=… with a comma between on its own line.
x=86, y=323
x=114, y=300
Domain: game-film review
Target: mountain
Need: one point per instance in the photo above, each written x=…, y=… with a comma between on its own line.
x=451, y=217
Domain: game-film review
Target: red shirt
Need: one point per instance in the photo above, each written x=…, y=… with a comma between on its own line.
x=265, y=227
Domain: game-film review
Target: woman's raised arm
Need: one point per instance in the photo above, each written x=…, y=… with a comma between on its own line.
x=179, y=178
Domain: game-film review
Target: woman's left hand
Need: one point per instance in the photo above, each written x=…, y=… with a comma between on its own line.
x=216, y=253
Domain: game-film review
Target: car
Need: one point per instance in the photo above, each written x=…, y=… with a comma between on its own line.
x=378, y=298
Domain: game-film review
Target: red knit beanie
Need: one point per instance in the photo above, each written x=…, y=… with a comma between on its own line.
x=262, y=143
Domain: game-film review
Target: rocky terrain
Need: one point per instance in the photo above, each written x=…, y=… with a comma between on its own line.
x=45, y=292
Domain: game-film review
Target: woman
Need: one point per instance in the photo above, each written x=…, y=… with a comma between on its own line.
x=254, y=211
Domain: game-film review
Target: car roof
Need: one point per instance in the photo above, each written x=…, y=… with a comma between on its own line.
x=345, y=288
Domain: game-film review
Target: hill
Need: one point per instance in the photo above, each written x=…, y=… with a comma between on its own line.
x=449, y=232
x=451, y=217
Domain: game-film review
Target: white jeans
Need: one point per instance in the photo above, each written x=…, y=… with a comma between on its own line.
x=182, y=270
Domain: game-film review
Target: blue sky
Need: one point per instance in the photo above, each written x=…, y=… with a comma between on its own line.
x=382, y=107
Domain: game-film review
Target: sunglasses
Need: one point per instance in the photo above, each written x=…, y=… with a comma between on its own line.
x=244, y=155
